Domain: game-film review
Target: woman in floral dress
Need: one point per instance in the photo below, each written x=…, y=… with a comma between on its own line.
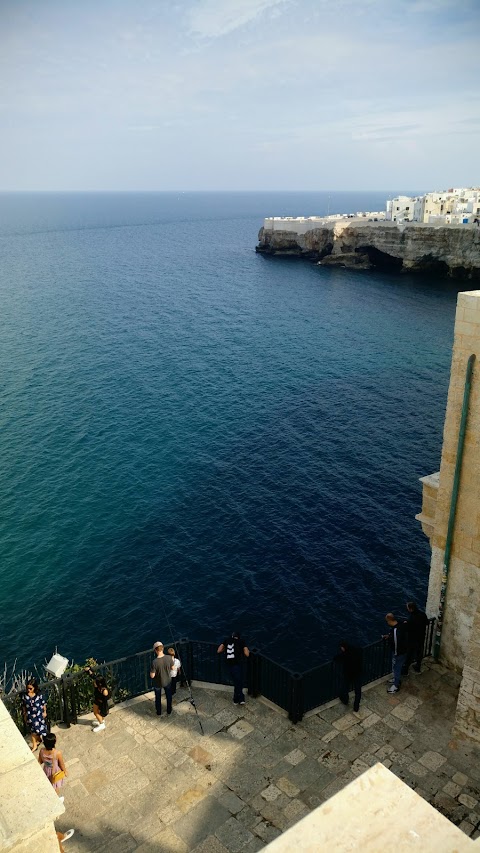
x=35, y=713
x=52, y=760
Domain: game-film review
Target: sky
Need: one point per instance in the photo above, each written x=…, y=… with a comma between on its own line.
x=239, y=94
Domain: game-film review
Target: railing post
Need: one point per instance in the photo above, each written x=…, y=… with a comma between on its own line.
x=73, y=701
x=254, y=673
x=295, y=713
x=182, y=650
x=66, y=710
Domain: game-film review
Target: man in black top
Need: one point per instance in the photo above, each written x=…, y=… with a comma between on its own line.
x=350, y=659
x=160, y=672
x=397, y=638
x=235, y=650
x=416, y=626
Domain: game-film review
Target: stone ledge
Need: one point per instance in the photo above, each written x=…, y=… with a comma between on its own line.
x=28, y=802
x=363, y=816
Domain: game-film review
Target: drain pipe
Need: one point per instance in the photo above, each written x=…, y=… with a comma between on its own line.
x=453, y=506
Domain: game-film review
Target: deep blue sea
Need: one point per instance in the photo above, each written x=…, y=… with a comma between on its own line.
x=195, y=433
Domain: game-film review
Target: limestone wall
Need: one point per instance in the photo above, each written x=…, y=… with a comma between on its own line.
x=460, y=641
x=463, y=591
x=28, y=803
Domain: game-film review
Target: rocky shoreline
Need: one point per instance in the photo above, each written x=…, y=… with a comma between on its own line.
x=447, y=250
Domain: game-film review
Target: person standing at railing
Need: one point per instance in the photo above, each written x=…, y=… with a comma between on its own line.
x=34, y=711
x=350, y=659
x=398, y=639
x=417, y=627
x=235, y=651
x=176, y=666
x=161, y=673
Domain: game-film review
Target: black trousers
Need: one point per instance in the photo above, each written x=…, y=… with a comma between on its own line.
x=414, y=653
x=346, y=685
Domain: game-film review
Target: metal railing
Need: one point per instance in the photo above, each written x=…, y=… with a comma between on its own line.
x=70, y=696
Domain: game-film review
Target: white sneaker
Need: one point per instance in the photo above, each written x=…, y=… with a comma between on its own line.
x=68, y=834
x=61, y=799
x=99, y=728
x=393, y=689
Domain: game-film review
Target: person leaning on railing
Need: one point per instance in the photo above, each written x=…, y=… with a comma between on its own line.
x=350, y=660
x=417, y=627
x=235, y=650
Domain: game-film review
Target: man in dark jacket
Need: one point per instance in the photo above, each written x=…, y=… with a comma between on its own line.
x=235, y=651
x=350, y=659
x=398, y=639
x=416, y=626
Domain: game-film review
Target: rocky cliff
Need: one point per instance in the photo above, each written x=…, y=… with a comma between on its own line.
x=449, y=250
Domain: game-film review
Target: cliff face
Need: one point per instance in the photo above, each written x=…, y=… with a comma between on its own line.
x=448, y=250
x=314, y=244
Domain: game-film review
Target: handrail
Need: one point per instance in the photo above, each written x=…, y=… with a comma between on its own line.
x=296, y=693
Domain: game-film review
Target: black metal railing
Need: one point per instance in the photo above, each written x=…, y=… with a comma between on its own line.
x=70, y=696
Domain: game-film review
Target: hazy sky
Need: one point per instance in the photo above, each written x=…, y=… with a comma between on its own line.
x=239, y=94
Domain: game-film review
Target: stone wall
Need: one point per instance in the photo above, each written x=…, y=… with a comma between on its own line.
x=460, y=647
x=28, y=802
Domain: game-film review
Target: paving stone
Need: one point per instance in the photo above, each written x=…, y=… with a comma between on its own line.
x=418, y=769
x=332, y=713
x=370, y=721
x=384, y=752
x=413, y=701
x=266, y=831
x=295, y=810
x=403, y=712
x=432, y=760
x=354, y=732
x=148, y=827
x=94, y=780
x=201, y=756
x=295, y=757
x=330, y=735
x=240, y=729
x=210, y=845
x=452, y=789
x=287, y=787
x=226, y=717
x=344, y=722
x=460, y=779
x=465, y=800
x=233, y=835
x=230, y=801
x=466, y=827
x=123, y=844
x=271, y=793
x=304, y=774
x=248, y=817
x=165, y=841
x=190, y=798
x=168, y=814
x=202, y=820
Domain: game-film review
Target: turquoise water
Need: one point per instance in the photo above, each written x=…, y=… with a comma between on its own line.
x=254, y=428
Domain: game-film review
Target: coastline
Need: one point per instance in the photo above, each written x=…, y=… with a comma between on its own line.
x=356, y=243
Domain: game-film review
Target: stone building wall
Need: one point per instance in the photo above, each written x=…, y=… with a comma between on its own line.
x=460, y=648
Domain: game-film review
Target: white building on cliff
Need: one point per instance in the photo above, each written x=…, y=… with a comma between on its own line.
x=456, y=206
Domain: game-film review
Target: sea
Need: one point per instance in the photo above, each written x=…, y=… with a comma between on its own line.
x=195, y=438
